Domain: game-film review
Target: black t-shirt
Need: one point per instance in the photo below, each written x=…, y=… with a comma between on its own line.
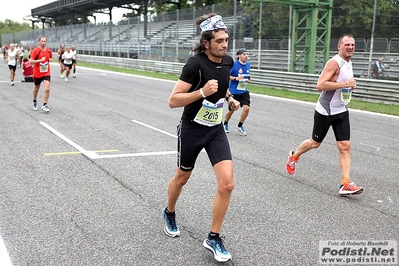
x=197, y=71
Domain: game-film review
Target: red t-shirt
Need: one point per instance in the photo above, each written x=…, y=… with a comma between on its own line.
x=41, y=69
x=28, y=69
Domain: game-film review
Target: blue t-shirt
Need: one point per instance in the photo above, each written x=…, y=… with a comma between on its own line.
x=238, y=69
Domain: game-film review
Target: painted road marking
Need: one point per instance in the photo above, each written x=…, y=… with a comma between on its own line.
x=89, y=154
x=94, y=155
x=75, y=152
x=4, y=257
x=154, y=128
x=136, y=154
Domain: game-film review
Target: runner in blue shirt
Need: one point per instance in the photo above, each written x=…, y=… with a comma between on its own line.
x=239, y=79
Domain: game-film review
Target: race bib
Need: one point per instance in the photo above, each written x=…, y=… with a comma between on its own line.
x=43, y=67
x=210, y=114
x=242, y=84
x=346, y=95
x=11, y=60
x=68, y=62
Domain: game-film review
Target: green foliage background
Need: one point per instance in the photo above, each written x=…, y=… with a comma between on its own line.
x=355, y=17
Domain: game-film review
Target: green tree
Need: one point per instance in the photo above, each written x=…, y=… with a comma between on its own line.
x=275, y=19
x=356, y=17
x=9, y=26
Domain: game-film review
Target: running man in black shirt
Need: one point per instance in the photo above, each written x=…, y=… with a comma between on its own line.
x=201, y=90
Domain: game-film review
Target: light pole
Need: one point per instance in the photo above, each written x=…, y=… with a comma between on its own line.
x=372, y=39
x=260, y=33
x=43, y=19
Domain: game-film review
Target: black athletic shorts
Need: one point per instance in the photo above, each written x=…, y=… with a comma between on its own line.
x=12, y=67
x=28, y=79
x=193, y=137
x=339, y=122
x=37, y=81
x=243, y=98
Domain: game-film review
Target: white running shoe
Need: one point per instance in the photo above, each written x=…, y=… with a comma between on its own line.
x=45, y=108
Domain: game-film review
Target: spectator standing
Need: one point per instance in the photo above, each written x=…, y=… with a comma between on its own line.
x=27, y=70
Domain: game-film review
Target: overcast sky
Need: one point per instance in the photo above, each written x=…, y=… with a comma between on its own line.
x=22, y=8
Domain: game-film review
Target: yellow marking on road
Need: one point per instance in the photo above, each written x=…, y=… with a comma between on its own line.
x=75, y=152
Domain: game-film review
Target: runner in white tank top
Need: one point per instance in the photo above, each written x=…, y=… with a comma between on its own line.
x=329, y=102
x=335, y=83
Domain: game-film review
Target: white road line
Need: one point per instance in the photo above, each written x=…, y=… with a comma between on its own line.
x=89, y=154
x=136, y=154
x=93, y=155
x=371, y=146
x=154, y=128
x=4, y=257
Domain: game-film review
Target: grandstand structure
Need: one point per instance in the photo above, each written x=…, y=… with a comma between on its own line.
x=311, y=23
x=170, y=37
x=166, y=36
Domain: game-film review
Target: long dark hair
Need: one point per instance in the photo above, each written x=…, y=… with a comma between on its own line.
x=199, y=46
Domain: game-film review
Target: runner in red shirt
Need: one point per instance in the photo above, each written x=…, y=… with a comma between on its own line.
x=41, y=57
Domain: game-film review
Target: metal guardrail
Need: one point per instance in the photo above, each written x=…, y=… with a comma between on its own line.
x=370, y=90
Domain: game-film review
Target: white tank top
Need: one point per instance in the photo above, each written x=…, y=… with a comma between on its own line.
x=329, y=102
x=12, y=60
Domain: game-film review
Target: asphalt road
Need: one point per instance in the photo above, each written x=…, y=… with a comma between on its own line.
x=86, y=183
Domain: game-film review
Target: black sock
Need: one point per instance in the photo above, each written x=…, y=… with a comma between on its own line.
x=240, y=124
x=213, y=235
x=44, y=104
x=34, y=101
x=168, y=213
x=226, y=123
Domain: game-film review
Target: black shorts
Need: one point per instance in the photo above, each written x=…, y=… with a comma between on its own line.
x=243, y=98
x=37, y=81
x=12, y=67
x=73, y=61
x=193, y=137
x=339, y=122
x=28, y=79
x=68, y=66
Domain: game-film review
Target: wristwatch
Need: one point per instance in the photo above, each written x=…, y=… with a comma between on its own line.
x=228, y=96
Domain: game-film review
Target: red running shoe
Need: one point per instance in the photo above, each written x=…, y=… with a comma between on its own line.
x=350, y=189
x=291, y=163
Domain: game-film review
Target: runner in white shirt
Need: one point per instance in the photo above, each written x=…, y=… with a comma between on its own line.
x=21, y=52
x=73, y=50
x=12, y=59
x=68, y=57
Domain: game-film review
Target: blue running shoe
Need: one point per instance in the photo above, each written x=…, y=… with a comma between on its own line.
x=171, y=229
x=226, y=128
x=241, y=130
x=218, y=249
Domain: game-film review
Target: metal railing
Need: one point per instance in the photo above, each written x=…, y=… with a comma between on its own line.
x=371, y=90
